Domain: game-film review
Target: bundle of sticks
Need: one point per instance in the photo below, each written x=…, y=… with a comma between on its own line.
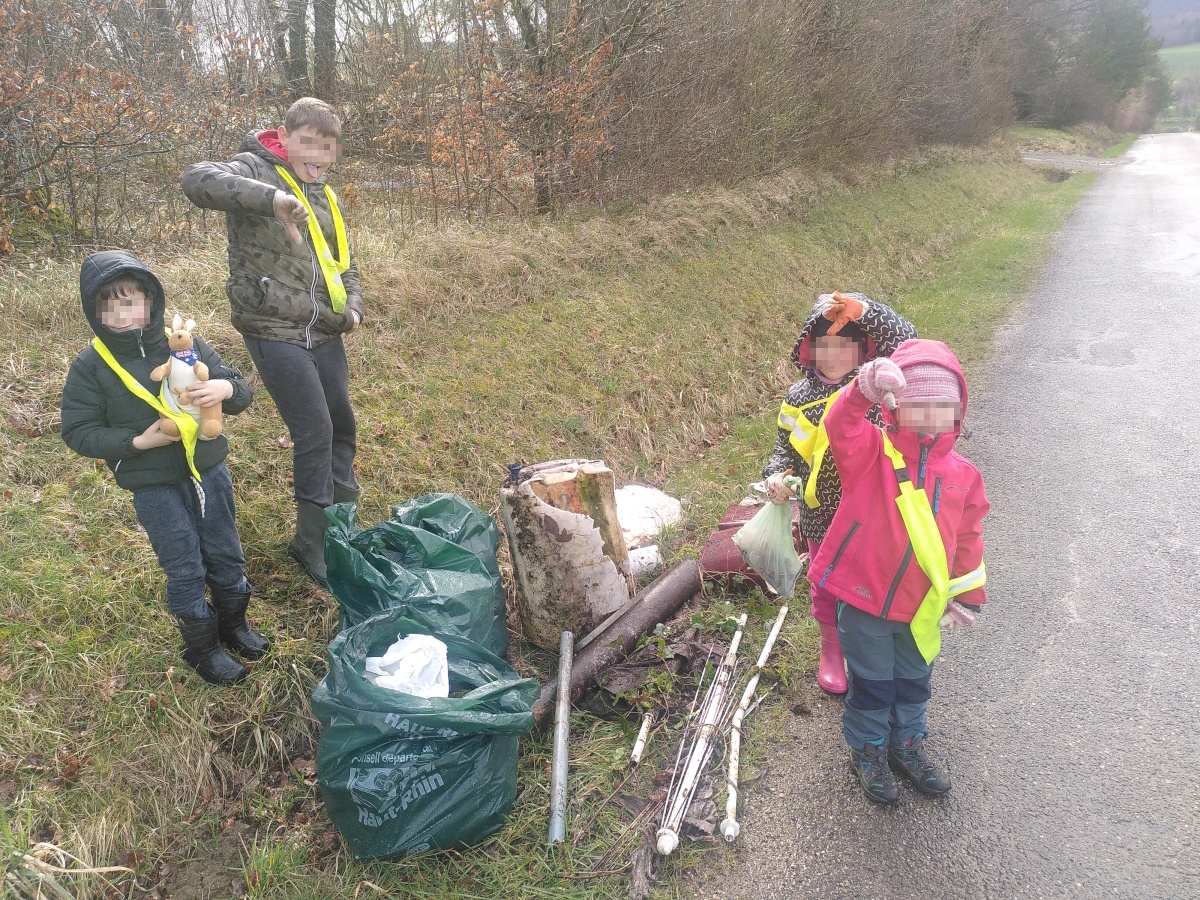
x=718, y=714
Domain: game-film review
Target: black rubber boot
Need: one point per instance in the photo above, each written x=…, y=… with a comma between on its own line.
x=345, y=495
x=234, y=630
x=913, y=762
x=870, y=764
x=308, y=546
x=203, y=651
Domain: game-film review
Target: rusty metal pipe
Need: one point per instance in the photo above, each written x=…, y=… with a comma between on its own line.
x=660, y=600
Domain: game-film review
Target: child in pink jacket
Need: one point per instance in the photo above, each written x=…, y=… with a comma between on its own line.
x=904, y=554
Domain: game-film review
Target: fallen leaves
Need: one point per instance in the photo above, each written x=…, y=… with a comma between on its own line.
x=113, y=685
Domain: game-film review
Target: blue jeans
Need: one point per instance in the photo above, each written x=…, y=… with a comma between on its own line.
x=889, y=679
x=194, y=549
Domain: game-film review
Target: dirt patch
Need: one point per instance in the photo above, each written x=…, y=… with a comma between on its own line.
x=216, y=867
x=1064, y=163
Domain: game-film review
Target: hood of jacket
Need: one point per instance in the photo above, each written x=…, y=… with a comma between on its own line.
x=802, y=355
x=99, y=268
x=266, y=146
x=911, y=352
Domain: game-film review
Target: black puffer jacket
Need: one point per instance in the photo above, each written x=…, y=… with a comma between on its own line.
x=886, y=330
x=101, y=417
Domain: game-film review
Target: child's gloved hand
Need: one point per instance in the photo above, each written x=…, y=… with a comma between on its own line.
x=880, y=380
x=956, y=616
x=777, y=488
x=841, y=309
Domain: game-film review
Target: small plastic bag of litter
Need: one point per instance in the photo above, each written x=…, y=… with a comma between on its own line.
x=415, y=664
x=767, y=547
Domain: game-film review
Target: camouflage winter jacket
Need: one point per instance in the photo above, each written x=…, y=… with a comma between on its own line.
x=886, y=330
x=276, y=289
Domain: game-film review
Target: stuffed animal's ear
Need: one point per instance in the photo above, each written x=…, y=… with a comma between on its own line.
x=189, y=324
x=177, y=322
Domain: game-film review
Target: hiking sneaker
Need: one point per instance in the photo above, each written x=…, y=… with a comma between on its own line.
x=911, y=760
x=870, y=764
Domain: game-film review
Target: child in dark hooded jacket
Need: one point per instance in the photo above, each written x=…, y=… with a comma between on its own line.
x=903, y=555
x=841, y=332
x=112, y=410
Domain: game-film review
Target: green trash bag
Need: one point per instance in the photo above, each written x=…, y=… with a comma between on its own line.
x=403, y=775
x=456, y=519
x=415, y=561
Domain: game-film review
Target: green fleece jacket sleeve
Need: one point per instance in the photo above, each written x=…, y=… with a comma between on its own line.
x=85, y=427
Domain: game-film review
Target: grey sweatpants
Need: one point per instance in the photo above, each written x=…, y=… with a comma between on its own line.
x=889, y=679
x=311, y=389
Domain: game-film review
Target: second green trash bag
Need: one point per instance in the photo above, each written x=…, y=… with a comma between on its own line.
x=435, y=555
x=403, y=775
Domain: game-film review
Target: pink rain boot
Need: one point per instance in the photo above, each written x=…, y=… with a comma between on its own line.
x=831, y=672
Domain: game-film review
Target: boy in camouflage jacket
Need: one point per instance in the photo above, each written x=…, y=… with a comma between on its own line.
x=293, y=292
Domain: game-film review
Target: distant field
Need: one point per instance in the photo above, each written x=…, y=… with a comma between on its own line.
x=1182, y=61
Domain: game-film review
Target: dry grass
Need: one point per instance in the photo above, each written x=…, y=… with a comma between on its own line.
x=652, y=336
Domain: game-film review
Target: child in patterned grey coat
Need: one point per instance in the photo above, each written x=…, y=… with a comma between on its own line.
x=841, y=333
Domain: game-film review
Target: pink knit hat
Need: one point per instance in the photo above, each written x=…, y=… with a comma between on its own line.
x=929, y=381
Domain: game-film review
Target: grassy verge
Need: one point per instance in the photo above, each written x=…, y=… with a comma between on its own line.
x=1080, y=140
x=655, y=337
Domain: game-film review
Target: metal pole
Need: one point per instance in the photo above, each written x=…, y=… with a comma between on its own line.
x=562, y=727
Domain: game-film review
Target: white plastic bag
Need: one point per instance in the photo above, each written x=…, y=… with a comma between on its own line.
x=767, y=547
x=645, y=511
x=644, y=559
x=415, y=665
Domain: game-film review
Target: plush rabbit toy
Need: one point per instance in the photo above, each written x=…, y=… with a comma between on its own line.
x=182, y=369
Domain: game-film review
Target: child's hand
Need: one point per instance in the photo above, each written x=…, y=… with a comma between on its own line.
x=880, y=380
x=777, y=489
x=153, y=437
x=209, y=393
x=842, y=309
x=355, y=320
x=956, y=616
x=291, y=212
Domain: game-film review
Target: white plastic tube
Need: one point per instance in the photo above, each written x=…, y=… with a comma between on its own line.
x=710, y=715
x=730, y=829
x=639, y=746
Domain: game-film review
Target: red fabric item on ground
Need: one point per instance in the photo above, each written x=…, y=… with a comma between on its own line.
x=721, y=558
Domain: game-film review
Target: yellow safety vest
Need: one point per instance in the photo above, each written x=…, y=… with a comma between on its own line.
x=809, y=440
x=163, y=405
x=331, y=268
x=931, y=556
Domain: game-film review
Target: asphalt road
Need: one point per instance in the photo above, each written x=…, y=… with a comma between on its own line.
x=1069, y=717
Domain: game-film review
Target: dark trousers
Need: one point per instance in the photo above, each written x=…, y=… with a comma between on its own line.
x=889, y=679
x=311, y=389
x=193, y=548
